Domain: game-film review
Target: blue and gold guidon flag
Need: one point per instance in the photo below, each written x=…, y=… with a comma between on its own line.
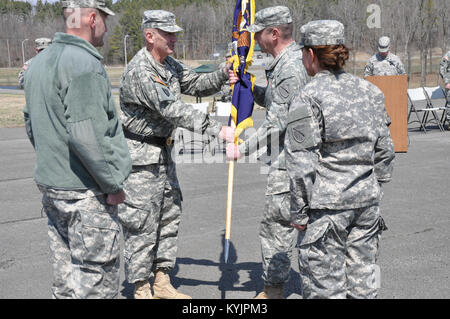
x=243, y=43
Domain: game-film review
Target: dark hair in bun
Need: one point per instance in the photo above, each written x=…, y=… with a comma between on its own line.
x=331, y=57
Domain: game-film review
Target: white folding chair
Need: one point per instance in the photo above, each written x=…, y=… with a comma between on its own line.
x=415, y=97
x=223, y=109
x=436, y=98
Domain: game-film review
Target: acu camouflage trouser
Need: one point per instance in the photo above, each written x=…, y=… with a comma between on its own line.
x=338, y=252
x=277, y=239
x=84, y=247
x=150, y=217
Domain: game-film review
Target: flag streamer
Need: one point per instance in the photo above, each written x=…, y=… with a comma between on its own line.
x=243, y=41
x=242, y=101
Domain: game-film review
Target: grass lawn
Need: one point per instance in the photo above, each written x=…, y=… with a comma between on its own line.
x=114, y=74
x=11, y=106
x=8, y=76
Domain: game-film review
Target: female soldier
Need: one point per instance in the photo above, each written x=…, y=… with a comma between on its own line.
x=338, y=151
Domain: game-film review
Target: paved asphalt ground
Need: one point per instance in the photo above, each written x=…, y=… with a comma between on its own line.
x=414, y=256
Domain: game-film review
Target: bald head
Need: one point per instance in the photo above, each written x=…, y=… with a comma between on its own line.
x=86, y=23
x=73, y=17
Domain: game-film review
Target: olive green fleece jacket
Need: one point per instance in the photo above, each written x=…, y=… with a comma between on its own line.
x=72, y=121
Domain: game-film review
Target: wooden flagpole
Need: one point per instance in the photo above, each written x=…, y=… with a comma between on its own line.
x=229, y=202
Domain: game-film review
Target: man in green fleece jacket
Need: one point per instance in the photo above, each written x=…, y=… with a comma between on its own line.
x=82, y=156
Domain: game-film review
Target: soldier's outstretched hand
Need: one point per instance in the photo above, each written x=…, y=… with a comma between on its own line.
x=227, y=134
x=231, y=75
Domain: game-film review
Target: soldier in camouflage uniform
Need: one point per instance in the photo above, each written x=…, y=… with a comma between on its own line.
x=41, y=44
x=286, y=76
x=82, y=157
x=150, y=101
x=384, y=62
x=444, y=71
x=338, y=152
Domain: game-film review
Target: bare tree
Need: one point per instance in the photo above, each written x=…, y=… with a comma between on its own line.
x=411, y=24
x=443, y=13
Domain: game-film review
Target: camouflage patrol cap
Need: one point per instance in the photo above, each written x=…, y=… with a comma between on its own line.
x=160, y=19
x=383, y=44
x=42, y=43
x=97, y=4
x=271, y=16
x=322, y=32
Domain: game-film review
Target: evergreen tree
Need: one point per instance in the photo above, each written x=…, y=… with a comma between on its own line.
x=116, y=45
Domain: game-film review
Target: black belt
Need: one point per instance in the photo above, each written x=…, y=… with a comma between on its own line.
x=155, y=140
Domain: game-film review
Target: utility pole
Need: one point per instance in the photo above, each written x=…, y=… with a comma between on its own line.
x=23, y=53
x=125, y=48
x=9, y=54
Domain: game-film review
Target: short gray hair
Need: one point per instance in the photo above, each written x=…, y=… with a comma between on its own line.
x=286, y=30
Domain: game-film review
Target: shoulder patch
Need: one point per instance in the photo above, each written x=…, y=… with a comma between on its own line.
x=302, y=130
x=284, y=90
x=298, y=135
x=164, y=93
x=285, y=87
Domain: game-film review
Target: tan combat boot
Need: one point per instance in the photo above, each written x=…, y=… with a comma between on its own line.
x=163, y=289
x=271, y=292
x=142, y=290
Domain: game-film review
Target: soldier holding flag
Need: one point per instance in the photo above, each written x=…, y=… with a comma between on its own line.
x=150, y=100
x=273, y=29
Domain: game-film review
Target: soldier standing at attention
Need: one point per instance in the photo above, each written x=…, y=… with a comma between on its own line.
x=150, y=100
x=286, y=75
x=384, y=62
x=41, y=44
x=338, y=152
x=82, y=156
x=444, y=71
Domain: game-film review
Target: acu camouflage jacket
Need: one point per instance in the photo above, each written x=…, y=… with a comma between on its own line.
x=338, y=144
x=286, y=75
x=151, y=105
